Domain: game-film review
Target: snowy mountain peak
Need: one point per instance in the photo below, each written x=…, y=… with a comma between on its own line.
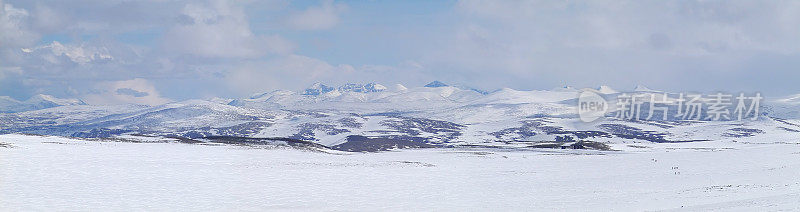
x=435, y=84
x=36, y=102
x=374, y=87
x=8, y=100
x=317, y=89
x=604, y=89
x=358, y=88
x=468, y=88
x=351, y=87
x=398, y=88
x=42, y=98
x=219, y=100
x=6, y=103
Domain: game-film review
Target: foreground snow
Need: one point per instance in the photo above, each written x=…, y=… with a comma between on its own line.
x=53, y=173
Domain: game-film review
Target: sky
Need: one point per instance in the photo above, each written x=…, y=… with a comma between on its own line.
x=156, y=51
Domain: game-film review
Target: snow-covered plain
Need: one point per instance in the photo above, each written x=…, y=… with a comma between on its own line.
x=55, y=173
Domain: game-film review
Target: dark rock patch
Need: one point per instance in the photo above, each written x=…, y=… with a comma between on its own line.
x=740, y=132
x=263, y=141
x=357, y=143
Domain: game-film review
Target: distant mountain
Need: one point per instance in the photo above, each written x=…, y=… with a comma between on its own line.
x=36, y=102
x=435, y=84
x=47, y=99
x=219, y=100
x=359, y=88
x=317, y=89
x=6, y=102
x=398, y=88
x=606, y=90
x=792, y=99
x=438, y=84
x=374, y=87
x=436, y=115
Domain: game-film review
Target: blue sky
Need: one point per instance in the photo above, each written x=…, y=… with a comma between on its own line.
x=160, y=51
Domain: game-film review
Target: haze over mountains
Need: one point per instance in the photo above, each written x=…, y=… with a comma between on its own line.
x=356, y=117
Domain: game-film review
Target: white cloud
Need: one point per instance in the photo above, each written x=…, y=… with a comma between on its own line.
x=220, y=29
x=80, y=54
x=47, y=19
x=321, y=17
x=82, y=60
x=689, y=27
x=660, y=43
x=201, y=40
x=11, y=70
x=135, y=91
x=14, y=27
x=490, y=44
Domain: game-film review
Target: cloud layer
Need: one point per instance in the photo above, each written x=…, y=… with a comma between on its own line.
x=150, y=52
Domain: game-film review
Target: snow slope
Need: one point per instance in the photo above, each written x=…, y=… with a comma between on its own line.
x=53, y=173
x=36, y=102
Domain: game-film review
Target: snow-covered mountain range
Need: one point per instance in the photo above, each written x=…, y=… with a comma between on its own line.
x=36, y=102
x=366, y=117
